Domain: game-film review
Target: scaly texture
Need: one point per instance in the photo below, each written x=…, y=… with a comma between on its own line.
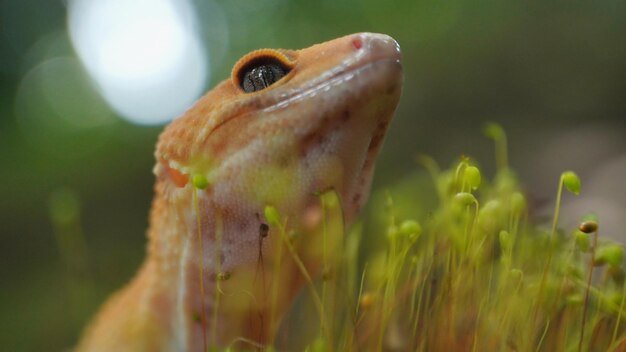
x=319, y=127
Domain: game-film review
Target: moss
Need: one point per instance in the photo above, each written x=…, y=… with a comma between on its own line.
x=470, y=273
x=482, y=277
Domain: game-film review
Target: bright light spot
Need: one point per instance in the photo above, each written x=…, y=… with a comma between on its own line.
x=130, y=52
x=144, y=55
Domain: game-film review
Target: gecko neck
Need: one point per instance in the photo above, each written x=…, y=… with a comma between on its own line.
x=195, y=245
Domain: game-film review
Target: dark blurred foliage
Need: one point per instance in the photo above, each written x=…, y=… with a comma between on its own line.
x=553, y=73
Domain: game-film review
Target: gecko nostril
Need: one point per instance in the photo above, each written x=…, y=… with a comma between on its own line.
x=357, y=43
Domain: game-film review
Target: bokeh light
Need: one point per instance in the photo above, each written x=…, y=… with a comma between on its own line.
x=144, y=55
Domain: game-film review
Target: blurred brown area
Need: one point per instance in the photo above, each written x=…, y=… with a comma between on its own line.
x=553, y=73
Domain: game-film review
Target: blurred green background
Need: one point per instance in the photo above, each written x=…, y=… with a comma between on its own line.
x=553, y=73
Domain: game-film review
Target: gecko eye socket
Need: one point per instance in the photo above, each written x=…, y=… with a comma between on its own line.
x=260, y=72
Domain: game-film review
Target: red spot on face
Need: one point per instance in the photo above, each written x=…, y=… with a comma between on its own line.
x=357, y=43
x=180, y=179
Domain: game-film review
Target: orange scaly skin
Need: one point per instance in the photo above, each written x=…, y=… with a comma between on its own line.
x=318, y=128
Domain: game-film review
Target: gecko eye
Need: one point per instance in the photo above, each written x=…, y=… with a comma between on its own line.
x=256, y=73
x=261, y=73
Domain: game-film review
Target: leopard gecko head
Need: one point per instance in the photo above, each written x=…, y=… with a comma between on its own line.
x=288, y=124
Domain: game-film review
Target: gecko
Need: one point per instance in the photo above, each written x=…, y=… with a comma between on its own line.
x=286, y=125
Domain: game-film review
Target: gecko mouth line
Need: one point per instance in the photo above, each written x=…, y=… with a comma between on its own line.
x=342, y=75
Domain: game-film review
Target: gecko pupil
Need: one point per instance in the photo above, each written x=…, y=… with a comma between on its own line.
x=261, y=74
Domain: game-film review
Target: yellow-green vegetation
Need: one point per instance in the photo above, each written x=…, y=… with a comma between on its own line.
x=470, y=271
x=471, y=274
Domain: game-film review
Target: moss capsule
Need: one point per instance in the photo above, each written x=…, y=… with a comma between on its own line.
x=465, y=198
x=588, y=226
x=472, y=176
x=199, y=181
x=271, y=215
x=571, y=182
x=410, y=228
